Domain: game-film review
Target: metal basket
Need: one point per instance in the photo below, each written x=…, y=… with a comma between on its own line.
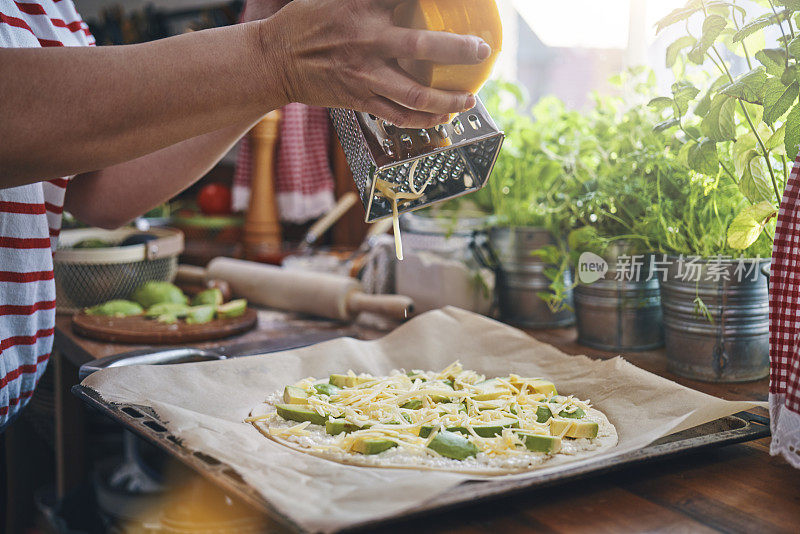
x=87, y=277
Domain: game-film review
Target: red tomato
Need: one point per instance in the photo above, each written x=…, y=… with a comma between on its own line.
x=214, y=199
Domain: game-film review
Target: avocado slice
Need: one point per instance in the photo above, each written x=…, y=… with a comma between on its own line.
x=211, y=296
x=543, y=414
x=490, y=390
x=544, y=386
x=116, y=308
x=440, y=385
x=154, y=292
x=540, y=442
x=347, y=381
x=200, y=314
x=452, y=445
x=413, y=404
x=577, y=413
x=373, y=445
x=295, y=395
x=167, y=318
x=577, y=429
x=327, y=389
x=167, y=308
x=337, y=426
x=301, y=414
x=488, y=430
x=416, y=375
x=232, y=309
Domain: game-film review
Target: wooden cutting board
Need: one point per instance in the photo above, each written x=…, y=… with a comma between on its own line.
x=142, y=331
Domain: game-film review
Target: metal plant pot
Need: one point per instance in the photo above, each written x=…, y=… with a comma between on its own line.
x=620, y=312
x=520, y=277
x=734, y=345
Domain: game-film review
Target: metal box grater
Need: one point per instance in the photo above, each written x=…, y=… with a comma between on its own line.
x=455, y=158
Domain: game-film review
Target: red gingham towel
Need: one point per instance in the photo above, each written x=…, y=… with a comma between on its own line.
x=304, y=183
x=784, y=316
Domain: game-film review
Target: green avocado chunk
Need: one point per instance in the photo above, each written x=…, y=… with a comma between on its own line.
x=232, y=309
x=540, y=443
x=347, y=381
x=337, y=426
x=372, y=445
x=452, y=445
x=489, y=390
x=327, y=389
x=295, y=395
x=577, y=429
x=116, y=308
x=151, y=293
x=577, y=413
x=200, y=314
x=301, y=414
x=413, y=404
x=488, y=430
x=167, y=318
x=167, y=308
x=543, y=414
x=211, y=296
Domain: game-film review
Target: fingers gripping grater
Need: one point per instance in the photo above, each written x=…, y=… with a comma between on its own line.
x=447, y=161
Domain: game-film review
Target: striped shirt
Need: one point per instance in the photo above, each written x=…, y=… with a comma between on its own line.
x=30, y=220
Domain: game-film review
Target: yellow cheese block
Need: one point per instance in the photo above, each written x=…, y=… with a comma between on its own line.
x=464, y=17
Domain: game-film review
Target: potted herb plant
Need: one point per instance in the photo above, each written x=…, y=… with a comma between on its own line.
x=529, y=197
x=739, y=137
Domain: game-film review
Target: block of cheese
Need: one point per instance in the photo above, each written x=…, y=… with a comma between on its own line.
x=464, y=17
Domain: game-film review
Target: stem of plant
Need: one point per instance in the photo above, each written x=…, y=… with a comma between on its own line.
x=764, y=151
x=744, y=46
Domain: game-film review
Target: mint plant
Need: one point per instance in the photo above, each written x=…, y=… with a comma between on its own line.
x=741, y=129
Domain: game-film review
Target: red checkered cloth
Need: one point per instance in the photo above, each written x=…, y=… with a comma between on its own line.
x=784, y=317
x=304, y=182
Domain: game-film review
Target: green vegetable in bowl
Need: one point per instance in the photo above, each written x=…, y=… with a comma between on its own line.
x=152, y=293
x=116, y=308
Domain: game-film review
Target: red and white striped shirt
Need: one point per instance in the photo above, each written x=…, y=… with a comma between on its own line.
x=30, y=220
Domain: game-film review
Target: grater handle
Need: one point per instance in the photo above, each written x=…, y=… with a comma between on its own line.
x=392, y=306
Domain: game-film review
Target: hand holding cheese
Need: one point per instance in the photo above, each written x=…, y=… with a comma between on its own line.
x=345, y=53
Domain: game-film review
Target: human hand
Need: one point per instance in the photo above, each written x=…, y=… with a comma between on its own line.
x=343, y=53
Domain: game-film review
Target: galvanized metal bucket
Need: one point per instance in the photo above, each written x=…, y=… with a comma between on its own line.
x=731, y=346
x=520, y=277
x=621, y=312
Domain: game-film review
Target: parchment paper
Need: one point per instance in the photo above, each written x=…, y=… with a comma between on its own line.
x=204, y=405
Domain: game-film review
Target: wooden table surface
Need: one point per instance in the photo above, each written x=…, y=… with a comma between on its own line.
x=739, y=488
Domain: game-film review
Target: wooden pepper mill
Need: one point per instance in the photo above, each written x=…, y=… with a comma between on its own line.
x=262, y=230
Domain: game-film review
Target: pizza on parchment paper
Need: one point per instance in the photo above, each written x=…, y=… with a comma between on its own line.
x=452, y=420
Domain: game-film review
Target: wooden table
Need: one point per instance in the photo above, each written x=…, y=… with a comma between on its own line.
x=739, y=488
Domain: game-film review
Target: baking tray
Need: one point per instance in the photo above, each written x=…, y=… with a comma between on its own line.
x=145, y=423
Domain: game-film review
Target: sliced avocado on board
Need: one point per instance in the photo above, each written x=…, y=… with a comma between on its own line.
x=116, y=308
x=201, y=314
x=301, y=414
x=540, y=442
x=372, y=445
x=327, y=389
x=577, y=429
x=167, y=319
x=167, y=308
x=295, y=395
x=347, y=381
x=211, y=296
x=153, y=292
x=452, y=445
x=337, y=426
x=232, y=309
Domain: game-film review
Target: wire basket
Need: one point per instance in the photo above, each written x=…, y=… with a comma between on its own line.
x=87, y=277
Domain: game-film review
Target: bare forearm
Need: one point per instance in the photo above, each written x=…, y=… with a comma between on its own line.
x=117, y=194
x=135, y=106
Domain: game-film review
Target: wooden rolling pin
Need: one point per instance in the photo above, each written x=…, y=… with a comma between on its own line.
x=325, y=295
